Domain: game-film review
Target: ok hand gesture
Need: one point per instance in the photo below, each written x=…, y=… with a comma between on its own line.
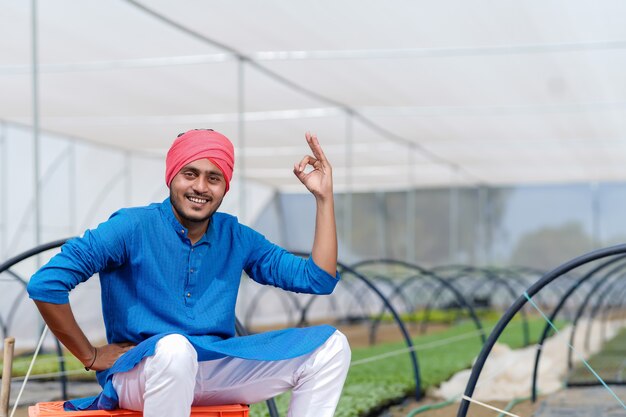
x=319, y=181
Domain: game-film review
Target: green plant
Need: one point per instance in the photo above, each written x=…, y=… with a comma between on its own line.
x=374, y=384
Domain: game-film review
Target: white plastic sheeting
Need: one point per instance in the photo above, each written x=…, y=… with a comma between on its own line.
x=401, y=93
x=508, y=373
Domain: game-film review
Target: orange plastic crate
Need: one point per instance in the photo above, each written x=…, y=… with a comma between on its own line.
x=55, y=409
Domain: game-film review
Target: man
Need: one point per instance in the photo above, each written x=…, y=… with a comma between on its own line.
x=169, y=276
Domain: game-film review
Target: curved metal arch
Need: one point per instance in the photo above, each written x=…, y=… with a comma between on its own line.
x=515, y=273
x=394, y=287
x=433, y=302
x=596, y=286
x=518, y=274
x=375, y=323
x=31, y=252
x=405, y=333
x=398, y=289
x=411, y=282
x=408, y=281
x=391, y=284
x=358, y=295
x=518, y=304
x=303, y=321
x=461, y=271
x=4, y=267
x=497, y=281
x=255, y=302
x=600, y=302
x=494, y=272
x=606, y=312
x=547, y=328
x=387, y=280
x=442, y=281
x=538, y=273
x=353, y=296
x=17, y=277
x=416, y=285
x=12, y=310
x=452, y=267
x=361, y=264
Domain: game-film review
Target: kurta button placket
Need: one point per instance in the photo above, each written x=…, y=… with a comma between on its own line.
x=193, y=274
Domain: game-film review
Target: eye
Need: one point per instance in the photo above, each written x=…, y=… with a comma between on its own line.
x=189, y=174
x=214, y=179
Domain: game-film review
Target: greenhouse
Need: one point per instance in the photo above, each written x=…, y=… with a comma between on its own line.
x=477, y=187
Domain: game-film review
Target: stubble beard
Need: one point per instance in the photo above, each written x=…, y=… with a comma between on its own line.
x=177, y=205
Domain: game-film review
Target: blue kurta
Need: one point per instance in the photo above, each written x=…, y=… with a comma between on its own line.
x=154, y=282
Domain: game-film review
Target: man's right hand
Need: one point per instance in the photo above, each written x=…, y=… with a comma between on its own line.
x=62, y=323
x=105, y=356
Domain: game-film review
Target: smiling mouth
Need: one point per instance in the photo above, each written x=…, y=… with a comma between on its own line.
x=198, y=200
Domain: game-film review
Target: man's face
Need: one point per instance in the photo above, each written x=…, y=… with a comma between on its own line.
x=196, y=192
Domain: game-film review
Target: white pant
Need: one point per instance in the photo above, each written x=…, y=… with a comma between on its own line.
x=171, y=381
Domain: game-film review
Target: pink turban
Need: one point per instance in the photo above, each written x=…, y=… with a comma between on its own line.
x=200, y=144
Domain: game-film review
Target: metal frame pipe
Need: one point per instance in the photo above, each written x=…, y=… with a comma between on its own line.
x=444, y=283
x=596, y=286
x=518, y=304
x=616, y=302
x=601, y=301
x=35, y=106
x=547, y=328
x=413, y=356
x=4, y=192
x=241, y=124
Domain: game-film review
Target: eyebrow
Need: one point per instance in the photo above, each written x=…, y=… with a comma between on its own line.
x=197, y=171
x=216, y=172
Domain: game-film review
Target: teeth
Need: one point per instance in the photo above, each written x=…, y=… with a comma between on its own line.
x=197, y=200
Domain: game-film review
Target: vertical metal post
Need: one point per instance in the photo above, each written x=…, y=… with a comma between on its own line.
x=347, y=209
x=7, y=367
x=71, y=166
x=4, y=172
x=482, y=226
x=282, y=221
x=241, y=158
x=127, y=180
x=381, y=225
x=490, y=224
x=595, y=215
x=36, y=156
x=410, y=208
x=453, y=215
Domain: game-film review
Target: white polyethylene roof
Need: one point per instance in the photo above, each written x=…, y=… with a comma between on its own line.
x=448, y=92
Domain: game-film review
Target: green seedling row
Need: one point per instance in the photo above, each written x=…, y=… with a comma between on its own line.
x=375, y=384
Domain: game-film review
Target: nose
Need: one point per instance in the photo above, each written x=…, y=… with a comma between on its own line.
x=201, y=185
